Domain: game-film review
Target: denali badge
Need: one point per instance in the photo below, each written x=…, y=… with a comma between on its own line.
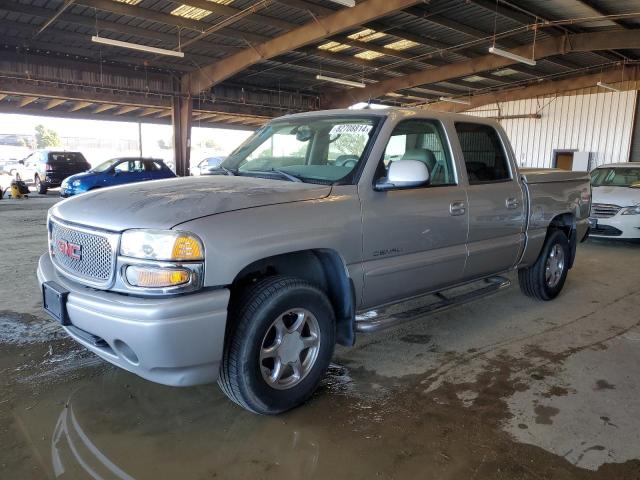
x=71, y=250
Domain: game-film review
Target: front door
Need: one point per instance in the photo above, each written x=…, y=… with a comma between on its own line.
x=414, y=240
x=496, y=201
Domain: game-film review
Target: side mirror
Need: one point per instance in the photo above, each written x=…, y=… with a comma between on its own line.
x=404, y=174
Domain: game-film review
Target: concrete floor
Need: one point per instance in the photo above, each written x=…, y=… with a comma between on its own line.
x=505, y=387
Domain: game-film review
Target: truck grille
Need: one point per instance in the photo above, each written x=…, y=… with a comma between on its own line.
x=86, y=255
x=603, y=210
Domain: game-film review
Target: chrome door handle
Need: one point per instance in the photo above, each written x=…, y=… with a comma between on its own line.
x=512, y=203
x=457, y=208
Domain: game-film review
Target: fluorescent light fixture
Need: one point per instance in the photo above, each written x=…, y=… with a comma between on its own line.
x=346, y=3
x=341, y=81
x=455, y=100
x=136, y=46
x=608, y=87
x=511, y=56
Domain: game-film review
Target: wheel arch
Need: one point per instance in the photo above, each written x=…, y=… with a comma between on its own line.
x=324, y=268
x=566, y=222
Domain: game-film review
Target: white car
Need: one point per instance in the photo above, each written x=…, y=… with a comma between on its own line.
x=615, y=208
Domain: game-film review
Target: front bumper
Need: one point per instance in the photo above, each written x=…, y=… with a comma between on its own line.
x=625, y=227
x=175, y=341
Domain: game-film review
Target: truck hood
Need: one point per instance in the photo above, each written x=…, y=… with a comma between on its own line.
x=621, y=196
x=164, y=204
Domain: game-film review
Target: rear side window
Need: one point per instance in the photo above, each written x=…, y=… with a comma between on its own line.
x=66, y=157
x=484, y=155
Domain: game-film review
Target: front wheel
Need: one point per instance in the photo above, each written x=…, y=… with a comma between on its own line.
x=545, y=278
x=42, y=190
x=279, y=345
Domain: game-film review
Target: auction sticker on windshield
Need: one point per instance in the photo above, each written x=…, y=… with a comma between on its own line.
x=350, y=128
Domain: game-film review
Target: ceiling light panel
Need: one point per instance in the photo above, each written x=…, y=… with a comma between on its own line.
x=505, y=72
x=333, y=46
x=368, y=55
x=366, y=35
x=401, y=45
x=474, y=78
x=129, y=2
x=195, y=13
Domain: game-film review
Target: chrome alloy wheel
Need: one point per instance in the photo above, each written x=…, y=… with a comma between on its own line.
x=554, y=266
x=289, y=348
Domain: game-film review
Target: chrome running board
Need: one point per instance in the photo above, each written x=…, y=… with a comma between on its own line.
x=375, y=320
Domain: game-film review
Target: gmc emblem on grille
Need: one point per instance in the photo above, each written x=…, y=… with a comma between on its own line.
x=71, y=250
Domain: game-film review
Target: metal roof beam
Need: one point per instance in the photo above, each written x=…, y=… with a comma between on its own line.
x=579, y=42
x=558, y=87
x=313, y=31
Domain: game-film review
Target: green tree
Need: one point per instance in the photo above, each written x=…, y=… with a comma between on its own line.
x=46, y=137
x=350, y=144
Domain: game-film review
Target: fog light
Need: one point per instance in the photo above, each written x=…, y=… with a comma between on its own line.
x=157, y=277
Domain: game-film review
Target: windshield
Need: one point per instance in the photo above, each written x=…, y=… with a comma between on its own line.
x=616, y=177
x=310, y=149
x=104, y=166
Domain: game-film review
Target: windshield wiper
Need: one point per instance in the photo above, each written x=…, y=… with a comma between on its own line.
x=293, y=178
x=282, y=173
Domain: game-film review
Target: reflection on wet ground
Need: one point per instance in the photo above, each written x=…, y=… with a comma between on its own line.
x=505, y=388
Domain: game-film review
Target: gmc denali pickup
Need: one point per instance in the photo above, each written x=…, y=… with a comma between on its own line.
x=301, y=239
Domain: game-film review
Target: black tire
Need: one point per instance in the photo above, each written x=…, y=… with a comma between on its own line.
x=42, y=190
x=251, y=318
x=533, y=280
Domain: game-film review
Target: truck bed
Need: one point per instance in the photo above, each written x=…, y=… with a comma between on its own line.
x=551, y=175
x=550, y=192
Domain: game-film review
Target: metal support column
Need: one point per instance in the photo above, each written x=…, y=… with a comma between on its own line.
x=181, y=116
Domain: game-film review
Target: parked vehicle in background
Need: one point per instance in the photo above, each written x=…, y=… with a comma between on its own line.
x=251, y=277
x=615, y=211
x=48, y=168
x=206, y=166
x=117, y=171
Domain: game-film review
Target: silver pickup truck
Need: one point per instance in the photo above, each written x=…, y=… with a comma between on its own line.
x=300, y=240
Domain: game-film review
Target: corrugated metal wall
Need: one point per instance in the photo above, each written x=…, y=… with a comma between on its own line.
x=600, y=123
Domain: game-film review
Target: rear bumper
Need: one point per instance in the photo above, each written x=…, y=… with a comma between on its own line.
x=175, y=341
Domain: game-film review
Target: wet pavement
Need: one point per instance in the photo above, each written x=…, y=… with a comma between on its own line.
x=505, y=387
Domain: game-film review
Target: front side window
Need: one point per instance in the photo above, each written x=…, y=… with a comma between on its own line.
x=616, y=177
x=422, y=140
x=484, y=156
x=320, y=150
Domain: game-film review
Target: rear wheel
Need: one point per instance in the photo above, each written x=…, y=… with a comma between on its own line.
x=545, y=278
x=279, y=345
x=42, y=190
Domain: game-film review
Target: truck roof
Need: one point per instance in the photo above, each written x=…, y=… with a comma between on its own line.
x=393, y=111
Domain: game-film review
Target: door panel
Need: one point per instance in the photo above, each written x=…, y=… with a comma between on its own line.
x=495, y=230
x=412, y=244
x=495, y=201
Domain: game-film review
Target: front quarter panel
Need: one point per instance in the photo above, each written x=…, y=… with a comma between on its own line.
x=234, y=240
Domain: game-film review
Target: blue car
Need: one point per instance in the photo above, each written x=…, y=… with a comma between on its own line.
x=117, y=171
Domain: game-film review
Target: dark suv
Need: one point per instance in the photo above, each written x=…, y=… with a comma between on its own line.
x=48, y=168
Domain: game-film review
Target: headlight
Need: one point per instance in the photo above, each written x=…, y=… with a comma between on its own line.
x=631, y=210
x=76, y=183
x=165, y=245
x=152, y=277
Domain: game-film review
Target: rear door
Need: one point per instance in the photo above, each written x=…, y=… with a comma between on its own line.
x=414, y=240
x=496, y=201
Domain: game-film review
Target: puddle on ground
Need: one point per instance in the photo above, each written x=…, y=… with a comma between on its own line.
x=109, y=424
